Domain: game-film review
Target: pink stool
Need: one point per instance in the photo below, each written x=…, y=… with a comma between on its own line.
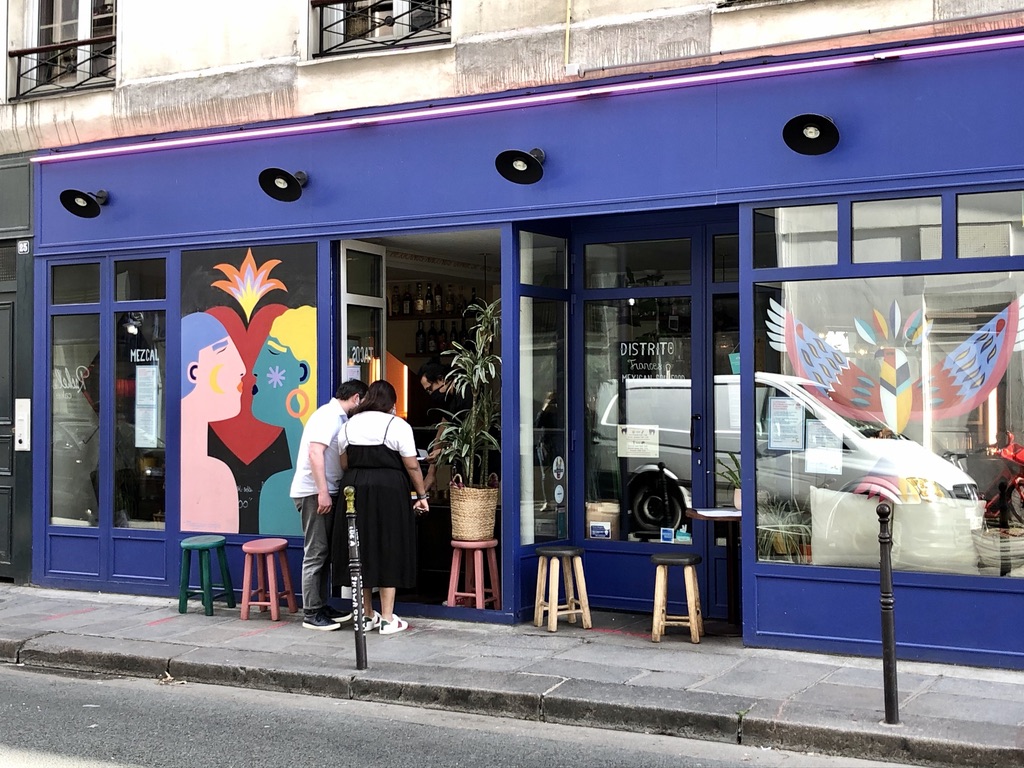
x=262, y=552
x=474, y=578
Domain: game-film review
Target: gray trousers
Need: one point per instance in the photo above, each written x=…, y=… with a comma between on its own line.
x=316, y=553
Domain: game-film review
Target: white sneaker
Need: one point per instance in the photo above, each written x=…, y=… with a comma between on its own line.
x=394, y=626
x=371, y=623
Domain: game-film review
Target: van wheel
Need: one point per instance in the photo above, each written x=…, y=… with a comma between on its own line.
x=647, y=507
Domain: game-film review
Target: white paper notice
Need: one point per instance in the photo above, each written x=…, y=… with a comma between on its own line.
x=638, y=441
x=147, y=399
x=785, y=424
x=824, y=452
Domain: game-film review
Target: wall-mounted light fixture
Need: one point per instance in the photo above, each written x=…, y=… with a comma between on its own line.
x=811, y=134
x=84, y=204
x=281, y=185
x=521, y=167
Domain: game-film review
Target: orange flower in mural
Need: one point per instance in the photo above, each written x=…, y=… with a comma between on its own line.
x=249, y=283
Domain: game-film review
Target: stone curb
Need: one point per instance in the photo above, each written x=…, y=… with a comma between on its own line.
x=696, y=715
x=12, y=639
x=884, y=743
x=692, y=715
x=87, y=653
x=475, y=691
x=260, y=670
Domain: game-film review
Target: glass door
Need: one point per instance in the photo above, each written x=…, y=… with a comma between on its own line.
x=659, y=331
x=642, y=421
x=543, y=385
x=362, y=285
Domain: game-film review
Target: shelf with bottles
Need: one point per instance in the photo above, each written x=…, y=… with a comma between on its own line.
x=434, y=339
x=430, y=303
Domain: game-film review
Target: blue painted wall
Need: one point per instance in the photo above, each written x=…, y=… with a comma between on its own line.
x=919, y=122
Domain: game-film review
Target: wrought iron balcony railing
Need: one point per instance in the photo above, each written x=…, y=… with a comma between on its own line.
x=373, y=25
x=70, y=66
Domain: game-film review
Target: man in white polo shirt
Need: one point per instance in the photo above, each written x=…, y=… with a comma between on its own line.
x=315, y=493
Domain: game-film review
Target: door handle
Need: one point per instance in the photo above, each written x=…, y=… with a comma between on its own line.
x=694, y=421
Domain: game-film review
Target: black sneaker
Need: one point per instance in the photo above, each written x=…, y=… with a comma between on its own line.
x=319, y=621
x=338, y=617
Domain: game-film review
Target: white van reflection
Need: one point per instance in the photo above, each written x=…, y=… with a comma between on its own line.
x=837, y=487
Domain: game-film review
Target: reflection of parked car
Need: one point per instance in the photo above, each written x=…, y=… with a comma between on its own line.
x=849, y=459
x=855, y=465
x=658, y=489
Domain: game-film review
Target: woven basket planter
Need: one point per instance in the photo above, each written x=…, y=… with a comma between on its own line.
x=473, y=512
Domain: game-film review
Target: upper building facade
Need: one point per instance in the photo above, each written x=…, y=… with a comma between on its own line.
x=88, y=70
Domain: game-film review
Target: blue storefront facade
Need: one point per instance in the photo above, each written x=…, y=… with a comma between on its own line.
x=663, y=281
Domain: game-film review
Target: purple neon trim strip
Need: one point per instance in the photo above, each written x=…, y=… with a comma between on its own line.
x=514, y=102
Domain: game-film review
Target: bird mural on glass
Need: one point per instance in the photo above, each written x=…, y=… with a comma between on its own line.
x=956, y=383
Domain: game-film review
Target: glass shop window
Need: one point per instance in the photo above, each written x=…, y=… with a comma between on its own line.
x=140, y=348
x=140, y=279
x=798, y=236
x=638, y=264
x=542, y=260
x=121, y=483
x=990, y=224
x=74, y=420
x=897, y=230
x=75, y=284
x=543, y=437
x=878, y=396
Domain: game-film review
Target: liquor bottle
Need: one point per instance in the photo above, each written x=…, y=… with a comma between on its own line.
x=432, y=338
x=449, y=301
x=407, y=301
x=396, y=303
x=461, y=306
x=428, y=305
x=464, y=334
x=442, y=338
x=419, y=298
x=453, y=334
x=421, y=339
x=438, y=299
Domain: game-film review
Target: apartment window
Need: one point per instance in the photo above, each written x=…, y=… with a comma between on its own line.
x=74, y=48
x=367, y=25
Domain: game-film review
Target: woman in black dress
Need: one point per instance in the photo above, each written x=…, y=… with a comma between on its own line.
x=378, y=455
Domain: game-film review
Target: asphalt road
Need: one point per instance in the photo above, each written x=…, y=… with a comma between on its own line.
x=89, y=721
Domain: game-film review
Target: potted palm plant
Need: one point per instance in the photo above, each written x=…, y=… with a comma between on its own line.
x=729, y=470
x=468, y=437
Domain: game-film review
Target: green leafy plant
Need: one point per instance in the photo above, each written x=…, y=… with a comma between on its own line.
x=729, y=469
x=469, y=436
x=783, y=530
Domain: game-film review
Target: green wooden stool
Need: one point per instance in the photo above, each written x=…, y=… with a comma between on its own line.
x=203, y=545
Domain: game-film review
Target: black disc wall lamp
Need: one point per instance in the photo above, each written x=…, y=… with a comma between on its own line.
x=84, y=204
x=811, y=134
x=281, y=185
x=521, y=167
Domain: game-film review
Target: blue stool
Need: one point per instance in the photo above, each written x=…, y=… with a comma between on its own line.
x=203, y=545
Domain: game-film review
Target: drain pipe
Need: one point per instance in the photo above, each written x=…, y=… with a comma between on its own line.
x=568, y=22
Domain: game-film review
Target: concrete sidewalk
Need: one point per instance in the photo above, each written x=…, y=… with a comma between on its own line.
x=612, y=676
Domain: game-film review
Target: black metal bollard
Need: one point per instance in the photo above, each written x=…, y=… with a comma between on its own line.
x=355, y=572
x=888, y=602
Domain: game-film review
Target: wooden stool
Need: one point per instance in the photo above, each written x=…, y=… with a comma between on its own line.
x=547, y=576
x=203, y=545
x=261, y=554
x=474, y=579
x=693, y=618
